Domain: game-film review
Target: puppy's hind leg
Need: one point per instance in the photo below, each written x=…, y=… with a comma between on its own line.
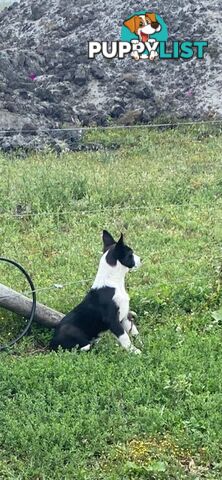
x=68, y=337
x=125, y=342
x=130, y=327
x=122, y=336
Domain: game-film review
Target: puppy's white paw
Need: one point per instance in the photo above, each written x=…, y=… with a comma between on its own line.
x=140, y=341
x=134, y=332
x=133, y=314
x=135, y=350
x=86, y=348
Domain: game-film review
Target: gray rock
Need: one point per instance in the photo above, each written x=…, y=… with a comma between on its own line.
x=81, y=75
x=36, y=12
x=46, y=78
x=143, y=91
x=17, y=141
x=131, y=117
x=97, y=72
x=116, y=111
x=5, y=145
x=10, y=106
x=29, y=129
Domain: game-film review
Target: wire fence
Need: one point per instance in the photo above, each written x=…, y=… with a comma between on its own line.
x=86, y=211
x=147, y=286
x=104, y=209
x=151, y=253
x=61, y=286
x=111, y=127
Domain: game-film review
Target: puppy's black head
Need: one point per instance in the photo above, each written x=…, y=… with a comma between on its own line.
x=119, y=251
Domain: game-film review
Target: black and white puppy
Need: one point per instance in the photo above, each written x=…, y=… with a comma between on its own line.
x=106, y=306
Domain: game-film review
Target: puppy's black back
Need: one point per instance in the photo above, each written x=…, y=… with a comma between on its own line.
x=86, y=321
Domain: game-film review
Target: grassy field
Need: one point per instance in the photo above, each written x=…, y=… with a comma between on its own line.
x=107, y=414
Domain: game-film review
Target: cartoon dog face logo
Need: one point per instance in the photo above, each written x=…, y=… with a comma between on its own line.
x=143, y=25
x=144, y=30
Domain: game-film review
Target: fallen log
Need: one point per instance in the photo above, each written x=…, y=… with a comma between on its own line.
x=17, y=303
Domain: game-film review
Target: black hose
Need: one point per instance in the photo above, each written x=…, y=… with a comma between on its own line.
x=33, y=309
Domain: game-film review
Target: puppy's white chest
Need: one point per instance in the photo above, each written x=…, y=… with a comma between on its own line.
x=121, y=299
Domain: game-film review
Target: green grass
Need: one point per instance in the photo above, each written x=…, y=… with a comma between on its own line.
x=109, y=415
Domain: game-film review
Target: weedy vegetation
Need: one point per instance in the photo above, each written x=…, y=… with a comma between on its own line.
x=107, y=414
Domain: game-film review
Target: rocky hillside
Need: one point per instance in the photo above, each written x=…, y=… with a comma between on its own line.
x=46, y=79
x=5, y=3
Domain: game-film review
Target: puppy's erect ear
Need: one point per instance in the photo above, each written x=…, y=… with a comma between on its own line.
x=108, y=240
x=131, y=24
x=120, y=241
